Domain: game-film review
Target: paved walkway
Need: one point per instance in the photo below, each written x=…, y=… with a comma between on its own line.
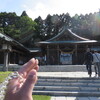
x=68, y=74
x=65, y=74
x=74, y=98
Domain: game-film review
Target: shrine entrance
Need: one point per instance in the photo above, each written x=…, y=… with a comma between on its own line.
x=57, y=55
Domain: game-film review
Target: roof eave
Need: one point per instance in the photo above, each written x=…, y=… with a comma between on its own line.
x=67, y=42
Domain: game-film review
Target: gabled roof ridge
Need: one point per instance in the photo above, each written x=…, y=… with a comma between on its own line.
x=74, y=34
x=69, y=31
x=60, y=33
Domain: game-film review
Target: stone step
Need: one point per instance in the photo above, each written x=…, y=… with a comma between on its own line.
x=96, y=80
x=68, y=84
x=66, y=88
x=63, y=68
x=67, y=78
x=67, y=93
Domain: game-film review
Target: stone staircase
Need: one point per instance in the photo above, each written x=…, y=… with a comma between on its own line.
x=67, y=86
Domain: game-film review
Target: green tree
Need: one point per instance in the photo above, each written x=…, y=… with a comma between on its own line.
x=24, y=14
x=16, y=26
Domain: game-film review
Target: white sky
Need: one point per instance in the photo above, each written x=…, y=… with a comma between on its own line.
x=35, y=8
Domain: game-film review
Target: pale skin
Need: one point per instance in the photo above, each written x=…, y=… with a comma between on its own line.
x=22, y=89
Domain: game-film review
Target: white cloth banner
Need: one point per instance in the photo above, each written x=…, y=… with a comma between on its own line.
x=66, y=58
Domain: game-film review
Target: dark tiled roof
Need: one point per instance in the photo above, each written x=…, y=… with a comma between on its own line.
x=11, y=41
x=5, y=38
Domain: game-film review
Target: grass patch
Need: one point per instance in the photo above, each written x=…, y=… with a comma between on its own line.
x=3, y=75
x=41, y=97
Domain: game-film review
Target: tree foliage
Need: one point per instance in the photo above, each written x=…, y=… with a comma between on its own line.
x=87, y=26
x=23, y=28
x=16, y=26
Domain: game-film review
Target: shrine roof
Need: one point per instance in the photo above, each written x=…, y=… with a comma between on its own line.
x=6, y=39
x=67, y=36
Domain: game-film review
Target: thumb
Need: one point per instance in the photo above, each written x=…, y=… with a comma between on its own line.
x=28, y=86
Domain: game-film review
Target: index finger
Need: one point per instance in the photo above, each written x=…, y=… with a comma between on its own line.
x=31, y=64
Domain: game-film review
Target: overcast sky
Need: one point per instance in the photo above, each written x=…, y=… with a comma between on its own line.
x=35, y=8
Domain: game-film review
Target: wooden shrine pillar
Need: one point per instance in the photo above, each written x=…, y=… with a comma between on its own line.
x=58, y=54
x=76, y=58
x=47, y=54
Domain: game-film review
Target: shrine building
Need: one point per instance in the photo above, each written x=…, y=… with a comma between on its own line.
x=66, y=48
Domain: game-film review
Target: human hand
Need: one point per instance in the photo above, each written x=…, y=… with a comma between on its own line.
x=22, y=89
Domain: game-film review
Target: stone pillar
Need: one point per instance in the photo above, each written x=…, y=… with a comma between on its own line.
x=6, y=48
